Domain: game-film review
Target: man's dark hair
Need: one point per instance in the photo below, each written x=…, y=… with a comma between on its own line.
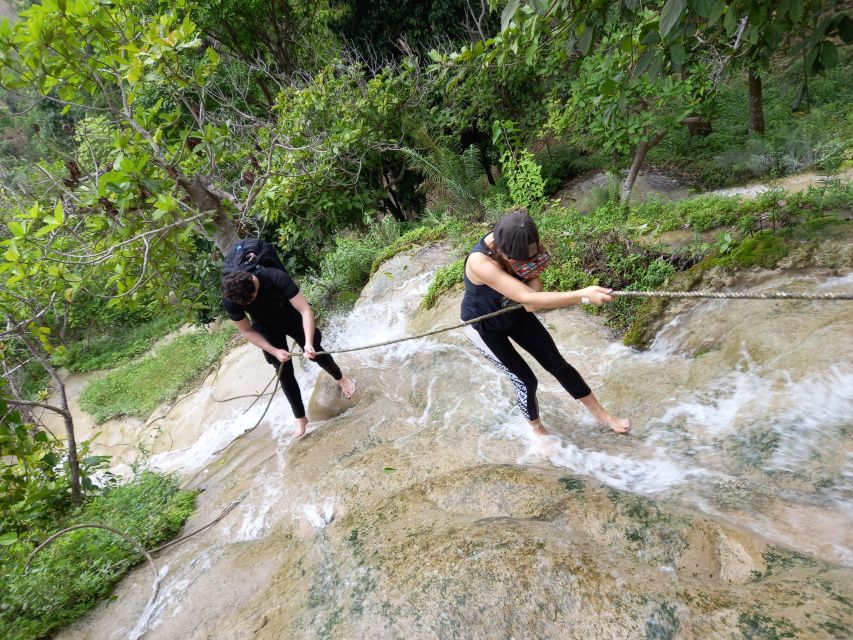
x=238, y=287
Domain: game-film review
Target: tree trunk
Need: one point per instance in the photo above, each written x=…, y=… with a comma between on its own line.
x=225, y=234
x=756, y=103
x=639, y=159
x=71, y=440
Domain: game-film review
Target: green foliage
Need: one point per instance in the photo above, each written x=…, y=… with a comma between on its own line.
x=347, y=265
x=376, y=27
x=613, y=110
x=291, y=36
x=32, y=487
x=455, y=177
x=339, y=123
x=74, y=573
x=795, y=141
x=110, y=350
x=760, y=250
x=140, y=386
x=444, y=280
x=524, y=178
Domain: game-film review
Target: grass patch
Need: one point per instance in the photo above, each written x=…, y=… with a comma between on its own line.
x=445, y=279
x=109, y=351
x=137, y=388
x=73, y=574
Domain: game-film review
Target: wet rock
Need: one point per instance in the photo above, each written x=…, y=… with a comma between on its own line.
x=740, y=560
x=327, y=401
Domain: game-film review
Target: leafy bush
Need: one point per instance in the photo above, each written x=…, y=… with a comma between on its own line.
x=79, y=569
x=523, y=178
x=137, y=388
x=33, y=488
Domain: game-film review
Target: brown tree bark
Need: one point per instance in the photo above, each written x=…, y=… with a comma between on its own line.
x=639, y=159
x=756, y=103
x=62, y=409
x=205, y=199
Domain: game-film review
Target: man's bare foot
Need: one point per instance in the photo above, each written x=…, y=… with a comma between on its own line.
x=538, y=428
x=347, y=386
x=301, y=426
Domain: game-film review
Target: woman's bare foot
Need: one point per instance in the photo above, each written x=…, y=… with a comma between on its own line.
x=347, y=386
x=619, y=425
x=538, y=428
x=301, y=426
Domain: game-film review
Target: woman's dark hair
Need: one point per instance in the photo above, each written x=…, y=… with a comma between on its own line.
x=497, y=256
x=238, y=287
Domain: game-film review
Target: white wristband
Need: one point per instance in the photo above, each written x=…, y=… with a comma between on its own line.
x=584, y=300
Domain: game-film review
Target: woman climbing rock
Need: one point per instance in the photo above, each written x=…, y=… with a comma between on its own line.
x=504, y=267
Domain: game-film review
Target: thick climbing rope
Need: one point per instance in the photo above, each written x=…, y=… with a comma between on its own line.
x=717, y=295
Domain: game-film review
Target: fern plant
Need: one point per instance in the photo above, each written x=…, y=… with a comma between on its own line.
x=452, y=174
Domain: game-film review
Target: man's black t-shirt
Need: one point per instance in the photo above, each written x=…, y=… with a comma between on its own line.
x=270, y=311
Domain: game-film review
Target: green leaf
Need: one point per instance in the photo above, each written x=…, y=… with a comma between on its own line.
x=18, y=230
x=677, y=54
x=828, y=55
x=702, y=7
x=670, y=14
x=799, y=96
x=795, y=10
x=50, y=226
x=730, y=21
x=508, y=13
x=539, y=6
x=58, y=214
x=389, y=469
x=8, y=538
x=586, y=40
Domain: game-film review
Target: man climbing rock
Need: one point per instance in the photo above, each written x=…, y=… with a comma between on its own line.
x=277, y=310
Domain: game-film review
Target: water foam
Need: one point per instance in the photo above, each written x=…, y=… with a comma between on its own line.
x=320, y=515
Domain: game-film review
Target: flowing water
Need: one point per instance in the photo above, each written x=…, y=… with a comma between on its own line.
x=427, y=510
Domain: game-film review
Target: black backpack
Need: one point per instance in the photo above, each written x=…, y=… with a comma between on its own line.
x=249, y=254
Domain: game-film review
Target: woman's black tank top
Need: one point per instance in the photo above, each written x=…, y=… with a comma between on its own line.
x=480, y=299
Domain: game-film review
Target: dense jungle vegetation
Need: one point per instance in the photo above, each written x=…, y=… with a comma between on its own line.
x=139, y=139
